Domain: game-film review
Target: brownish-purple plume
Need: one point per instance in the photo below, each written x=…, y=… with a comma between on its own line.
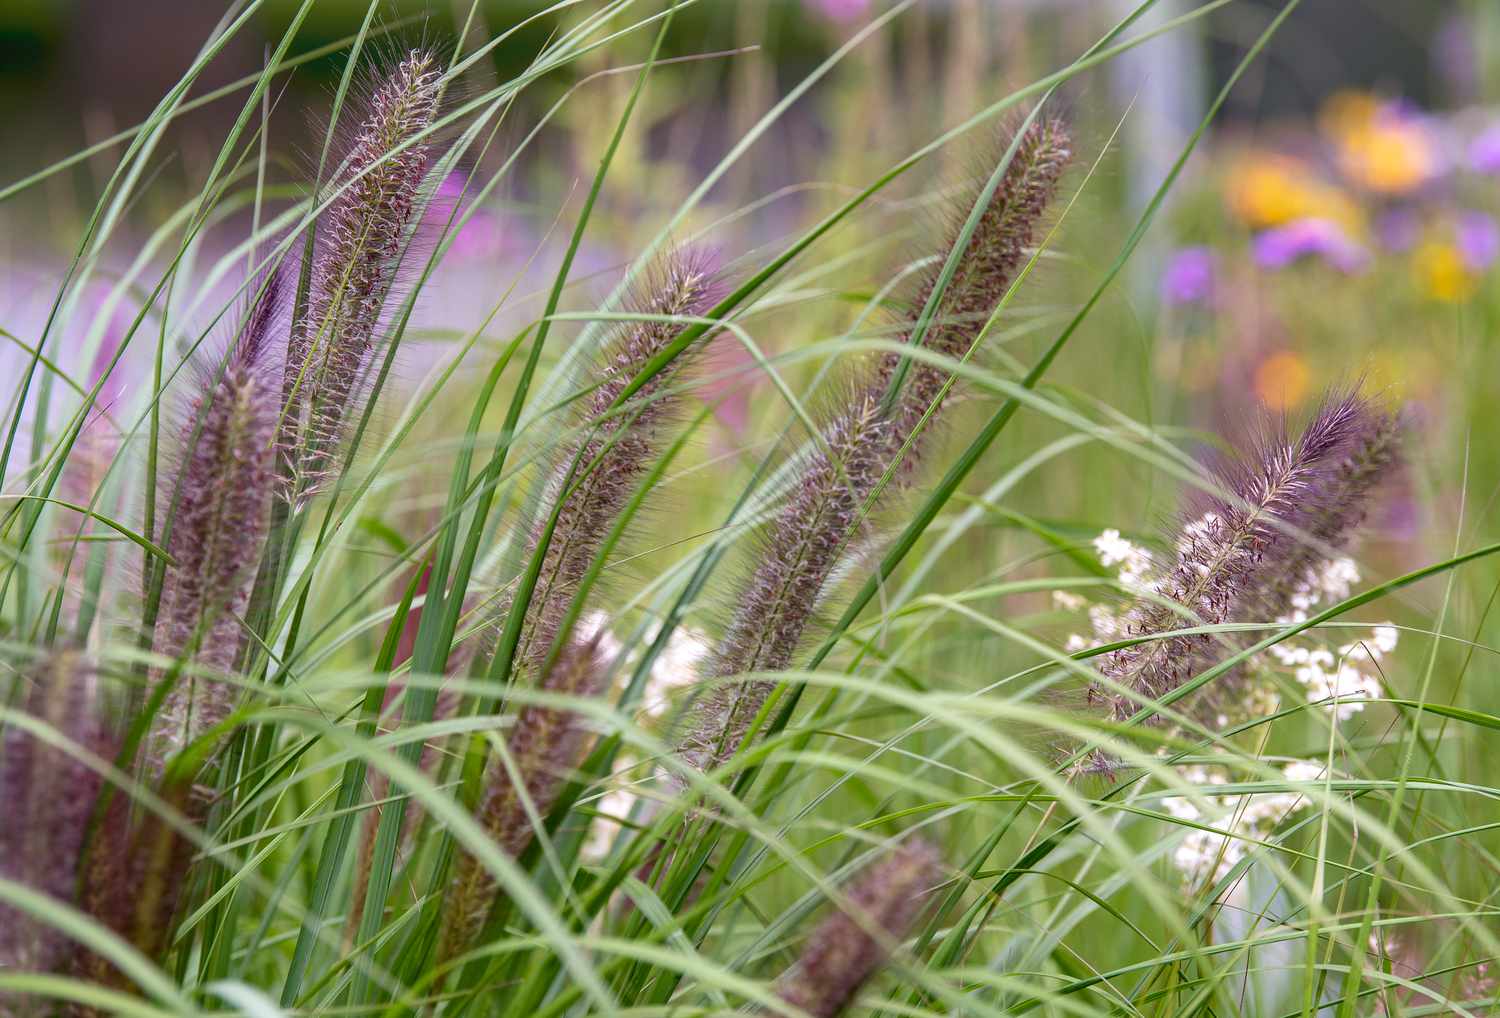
x=544, y=744
x=995, y=253
x=222, y=497
x=362, y=236
x=819, y=525
x=596, y=475
x=849, y=947
x=47, y=795
x=135, y=875
x=1287, y=505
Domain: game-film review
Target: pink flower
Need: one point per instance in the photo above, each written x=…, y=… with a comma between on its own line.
x=842, y=11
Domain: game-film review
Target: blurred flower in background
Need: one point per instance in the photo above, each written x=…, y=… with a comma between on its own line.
x=1449, y=265
x=1478, y=240
x=1283, y=380
x=841, y=10
x=1266, y=189
x=1382, y=146
x=1303, y=238
x=1189, y=276
x=1484, y=150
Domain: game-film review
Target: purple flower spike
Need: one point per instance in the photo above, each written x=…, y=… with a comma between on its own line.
x=1478, y=240
x=1280, y=247
x=1484, y=151
x=1189, y=277
x=222, y=499
x=864, y=442
x=362, y=238
x=543, y=746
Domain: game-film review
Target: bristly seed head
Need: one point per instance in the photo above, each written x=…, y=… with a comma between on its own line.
x=847, y=948
x=779, y=598
x=223, y=494
x=361, y=238
x=612, y=458
x=816, y=530
x=544, y=744
x=995, y=253
x=1243, y=558
x=47, y=795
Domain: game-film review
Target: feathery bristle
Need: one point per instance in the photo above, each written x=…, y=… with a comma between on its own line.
x=813, y=532
x=779, y=599
x=995, y=252
x=544, y=744
x=361, y=238
x=847, y=948
x=619, y=451
x=1244, y=558
x=47, y=796
x=224, y=488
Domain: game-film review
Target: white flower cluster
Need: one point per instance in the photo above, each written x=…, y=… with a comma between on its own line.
x=1134, y=561
x=1135, y=565
x=1341, y=681
x=1238, y=820
x=675, y=669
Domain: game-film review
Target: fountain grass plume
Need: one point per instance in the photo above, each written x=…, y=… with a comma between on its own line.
x=47, y=796
x=811, y=534
x=849, y=947
x=543, y=745
x=989, y=264
x=223, y=492
x=135, y=874
x=596, y=474
x=779, y=597
x=361, y=238
x=1244, y=551
x=592, y=481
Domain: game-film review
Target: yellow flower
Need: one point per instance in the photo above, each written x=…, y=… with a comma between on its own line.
x=1282, y=380
x=1347, y=111
x=1379, y=148
x=1441, y=272
x=1267, y=190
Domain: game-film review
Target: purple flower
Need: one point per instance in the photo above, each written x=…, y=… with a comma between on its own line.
x=1478, y=240
x=842, y=10
x=1484, y=150
x=1279, y=247
x=1189, y=276
x=1399, y=229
